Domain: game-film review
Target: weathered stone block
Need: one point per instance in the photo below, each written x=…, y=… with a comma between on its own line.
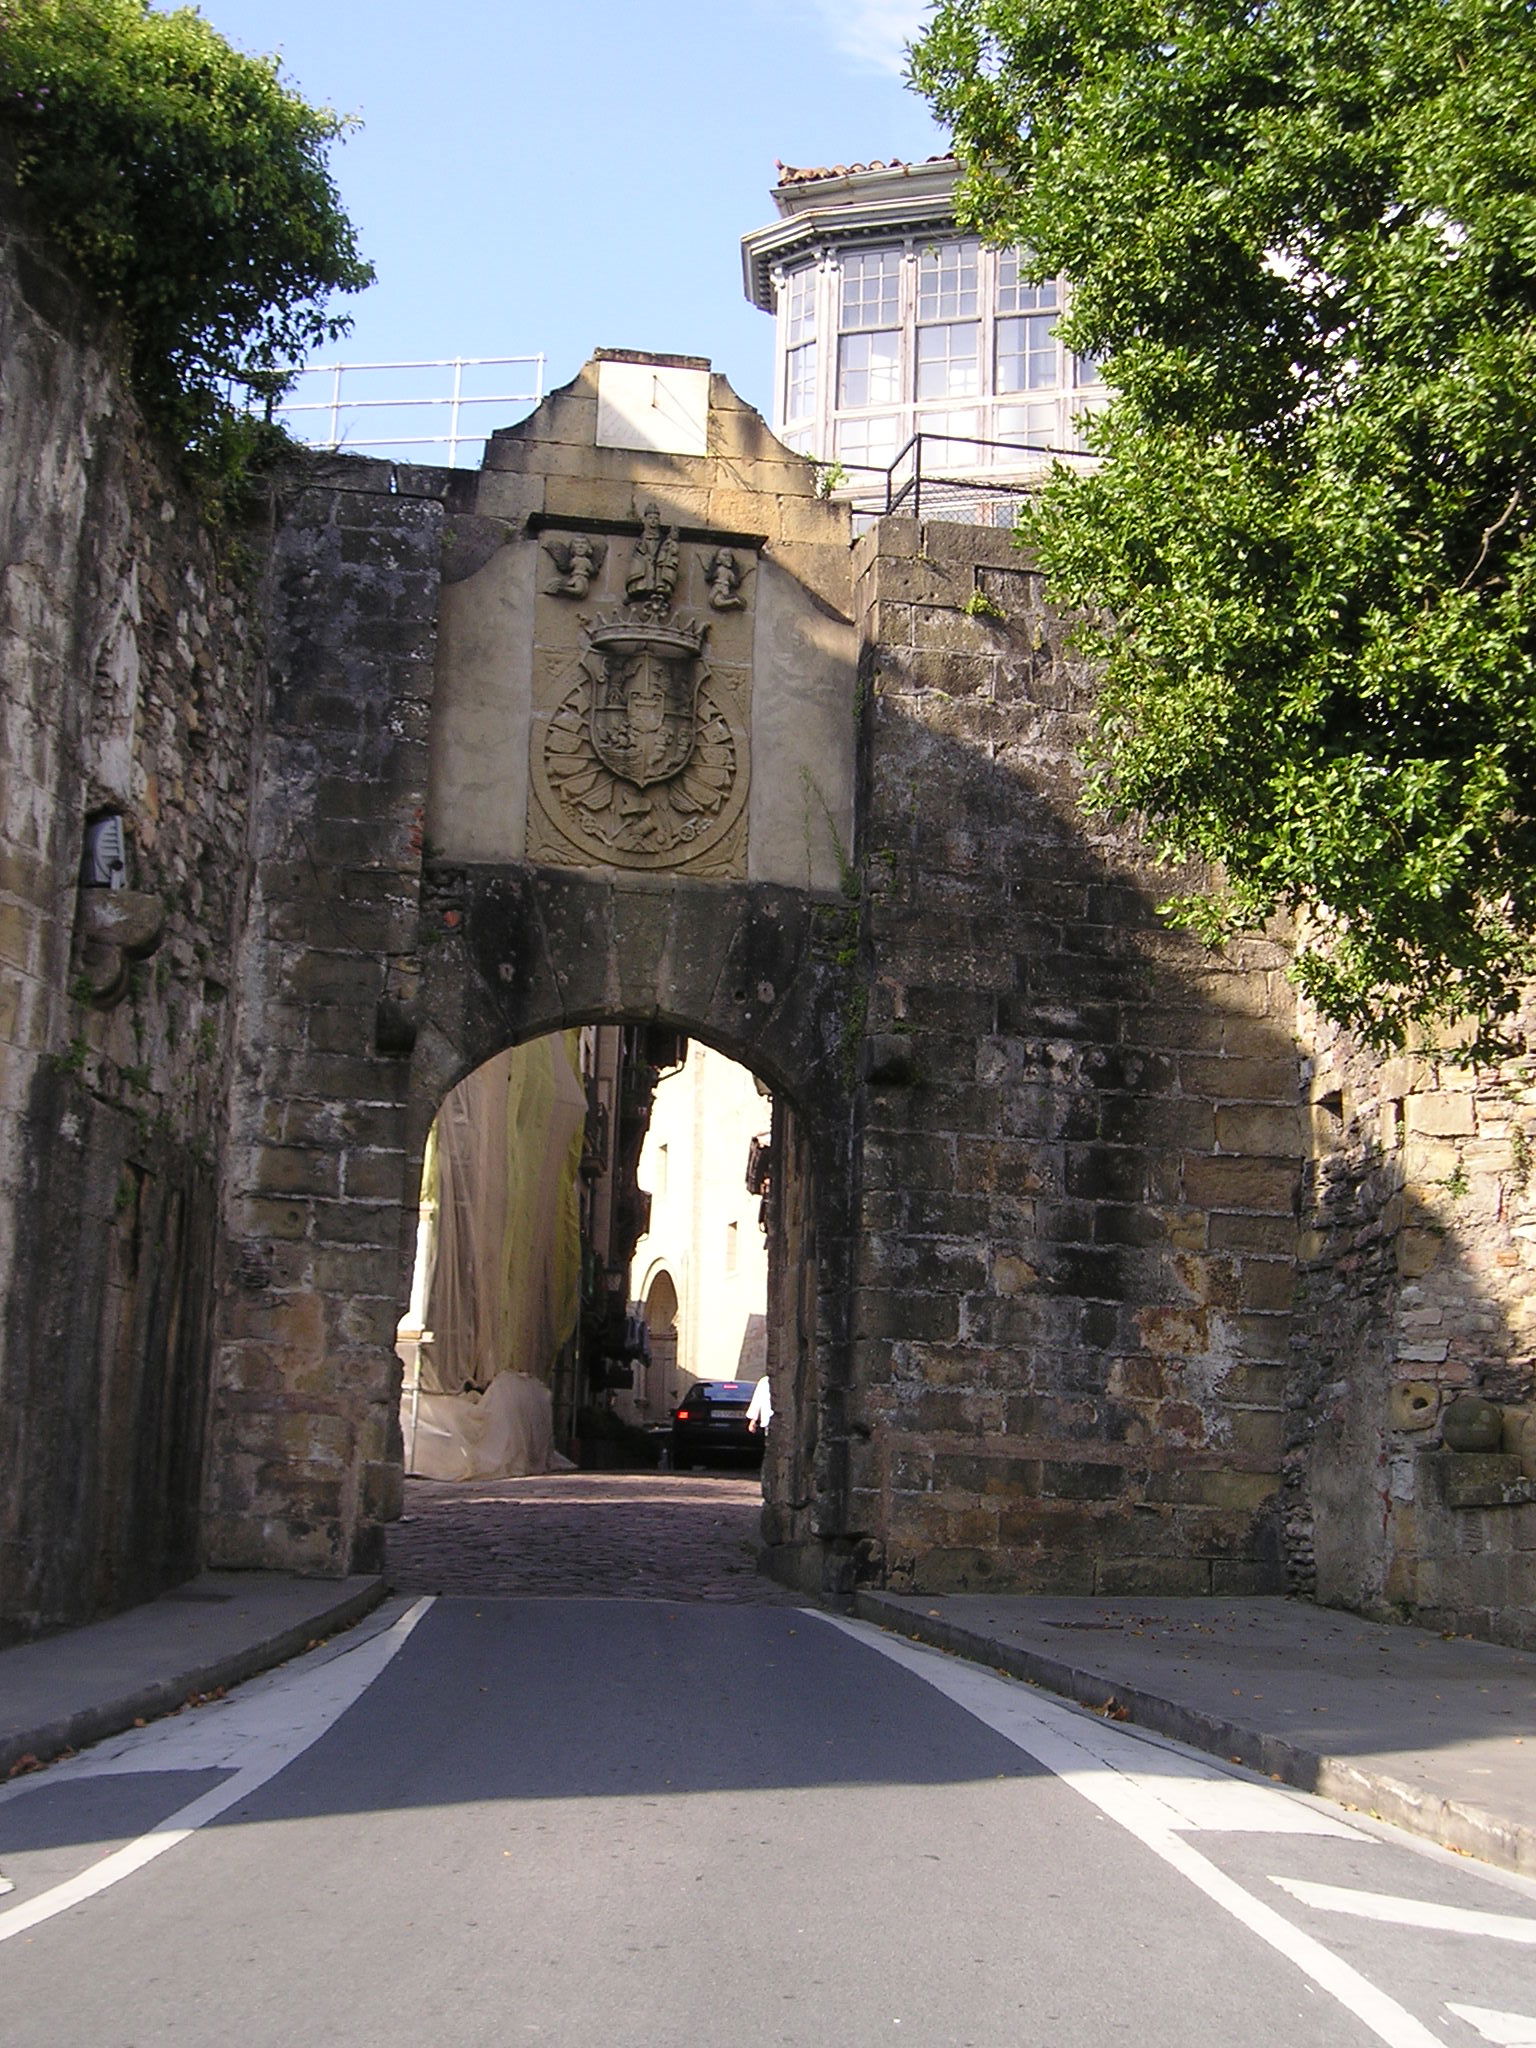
x=1261, y=1184
x=1441, y=1116
x=296, y=1170
x=1470, y=1479
x=1162, y=1577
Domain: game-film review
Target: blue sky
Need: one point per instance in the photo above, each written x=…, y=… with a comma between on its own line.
x=537, y=177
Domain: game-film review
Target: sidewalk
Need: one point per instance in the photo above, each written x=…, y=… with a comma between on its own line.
x=1437, y=1736
x=74, y=1688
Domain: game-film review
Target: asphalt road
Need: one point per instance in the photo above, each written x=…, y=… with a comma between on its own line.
x=653, y=1823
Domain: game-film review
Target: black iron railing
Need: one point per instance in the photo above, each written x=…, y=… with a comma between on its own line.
x=952, y=477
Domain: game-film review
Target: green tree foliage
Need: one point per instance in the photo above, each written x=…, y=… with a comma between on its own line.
x=190, y=184
x=1302, y=236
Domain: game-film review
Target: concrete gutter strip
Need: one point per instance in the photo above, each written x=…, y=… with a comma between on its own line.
x=65, y=1691
x=1352, y=1781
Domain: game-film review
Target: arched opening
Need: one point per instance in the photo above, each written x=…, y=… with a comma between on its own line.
x=598, y=1234
x=660, y=1305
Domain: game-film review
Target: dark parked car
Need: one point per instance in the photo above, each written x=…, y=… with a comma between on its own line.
x=711, y=1421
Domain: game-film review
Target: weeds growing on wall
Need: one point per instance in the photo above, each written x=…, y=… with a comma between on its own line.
x=190, y=185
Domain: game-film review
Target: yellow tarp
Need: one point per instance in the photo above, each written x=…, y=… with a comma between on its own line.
x=505, y=1282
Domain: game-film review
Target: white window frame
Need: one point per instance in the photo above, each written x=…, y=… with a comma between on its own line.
x=918, y=279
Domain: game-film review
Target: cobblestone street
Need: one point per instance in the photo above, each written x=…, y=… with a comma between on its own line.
x=634, y=1535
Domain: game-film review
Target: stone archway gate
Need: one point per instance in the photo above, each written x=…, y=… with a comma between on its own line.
x=627, y=725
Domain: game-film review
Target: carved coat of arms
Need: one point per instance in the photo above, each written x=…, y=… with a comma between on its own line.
x=640, y=760
x=645, y=687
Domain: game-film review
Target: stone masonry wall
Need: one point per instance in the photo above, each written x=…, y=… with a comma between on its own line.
x=1418, y=1249
x=129, y=681
x=1080, y=1139
x=304, y=1450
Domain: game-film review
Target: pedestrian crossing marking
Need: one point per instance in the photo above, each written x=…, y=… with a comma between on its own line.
x=1508, y=2029
x=1333, y=1898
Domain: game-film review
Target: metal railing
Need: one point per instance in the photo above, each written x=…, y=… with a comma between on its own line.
x=341, y=418
x=952, y=477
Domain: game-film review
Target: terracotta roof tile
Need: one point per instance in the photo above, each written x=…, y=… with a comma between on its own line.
x=794, y=174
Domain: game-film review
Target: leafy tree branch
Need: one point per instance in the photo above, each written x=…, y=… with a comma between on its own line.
x=1302, y=236
x=190, y=184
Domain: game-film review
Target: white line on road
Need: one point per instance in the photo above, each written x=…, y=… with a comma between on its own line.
x=1508, y=2029
x=1104, y=1766
x=289, y=1717
x=1337, y=1898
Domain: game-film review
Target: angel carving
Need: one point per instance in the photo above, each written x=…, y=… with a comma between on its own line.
x=722, y=572
x=576, y=560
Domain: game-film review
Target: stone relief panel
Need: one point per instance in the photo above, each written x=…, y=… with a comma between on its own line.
x=641, y=701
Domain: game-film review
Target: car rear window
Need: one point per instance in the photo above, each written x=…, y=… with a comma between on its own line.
x=720, y=1393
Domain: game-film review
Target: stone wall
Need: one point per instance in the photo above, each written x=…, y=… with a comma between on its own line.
x=402, y=931
x=128, y=685
x=320, y=1193
x=1037, y=1160
x=1418, y=1250
x=1080, y=1140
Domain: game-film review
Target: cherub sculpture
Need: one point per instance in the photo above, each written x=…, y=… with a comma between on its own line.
x=576, y=559
x=723, y=573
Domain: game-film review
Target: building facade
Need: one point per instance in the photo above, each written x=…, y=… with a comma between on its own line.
x=891, y=324
x=700, y=1272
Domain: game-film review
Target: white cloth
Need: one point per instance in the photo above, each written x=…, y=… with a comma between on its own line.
x=760, y=1407
x=504, y=1433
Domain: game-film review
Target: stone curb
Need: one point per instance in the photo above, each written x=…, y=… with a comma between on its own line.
x=1453, y=1823
x=159, y=1696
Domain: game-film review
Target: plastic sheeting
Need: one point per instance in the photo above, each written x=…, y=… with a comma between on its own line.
x=504, y=1287
x=504, y=1433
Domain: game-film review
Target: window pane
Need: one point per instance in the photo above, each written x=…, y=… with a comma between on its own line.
x=869, y=369
x=1027, y=355
x=1016, y=297
x=871, y=288
x=961, y=427
x=870, y=443
x=800, y=382
x=946, y=282
x=1084, y=410
x=1085, y=371
x=1040, y=425
x=799, y=306
x=949, y=361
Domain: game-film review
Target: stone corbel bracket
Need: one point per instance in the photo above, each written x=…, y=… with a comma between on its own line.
x=116, y=927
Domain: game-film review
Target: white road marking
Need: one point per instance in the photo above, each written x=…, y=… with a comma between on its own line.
x=257, y=1733
x=1335, y=1898
x=1509, y=2029
x=1106, y=1767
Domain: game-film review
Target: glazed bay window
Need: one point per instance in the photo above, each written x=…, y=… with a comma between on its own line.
x=1028, y=357
x=800, y=382
x=869, y=443
x=953, y=436
x=940, y=336
x=948, y=327
x=869, y=368
x=947, y=286
x=871, y=288
x=949, y=360
x=799, y=304
x=1037, y=426
x=869, y=348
